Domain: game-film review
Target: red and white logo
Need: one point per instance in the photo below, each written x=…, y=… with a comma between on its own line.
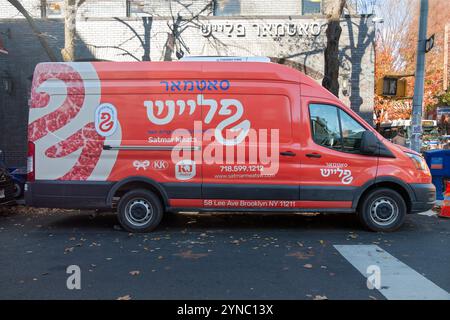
x=105, y=119
x=185, y=170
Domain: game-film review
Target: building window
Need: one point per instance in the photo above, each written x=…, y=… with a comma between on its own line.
x=135, y=8
x=227, y=7
x=52, y=8
x=311, y=6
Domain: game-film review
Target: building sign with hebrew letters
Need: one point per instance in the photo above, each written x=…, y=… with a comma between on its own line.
x=307, y=29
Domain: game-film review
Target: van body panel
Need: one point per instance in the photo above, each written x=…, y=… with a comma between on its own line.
x=202, y=136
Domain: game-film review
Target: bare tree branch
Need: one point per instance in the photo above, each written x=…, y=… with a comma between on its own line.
x=49, y=51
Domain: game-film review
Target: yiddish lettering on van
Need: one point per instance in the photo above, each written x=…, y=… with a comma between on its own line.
x=344, y=174
x=224, y=110
x=200, y=85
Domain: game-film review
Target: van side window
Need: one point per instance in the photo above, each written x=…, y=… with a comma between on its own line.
x=325, y=126
x=351, y=133
x=334, y=128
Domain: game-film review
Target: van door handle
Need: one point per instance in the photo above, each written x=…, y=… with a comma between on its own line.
x=314, y=155
x=288, y=153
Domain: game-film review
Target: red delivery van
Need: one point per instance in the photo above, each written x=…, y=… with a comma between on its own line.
x=144, y=138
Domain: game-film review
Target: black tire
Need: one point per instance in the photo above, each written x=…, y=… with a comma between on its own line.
x=18, y=190
x=382, y=210
x=146, y=214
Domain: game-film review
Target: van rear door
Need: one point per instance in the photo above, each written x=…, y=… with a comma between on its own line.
x=332, y=168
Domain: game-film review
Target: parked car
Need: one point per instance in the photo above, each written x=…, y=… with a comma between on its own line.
x=6, y=184
x=146, y=138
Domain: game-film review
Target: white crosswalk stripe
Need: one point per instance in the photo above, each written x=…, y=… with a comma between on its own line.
x=397, y=280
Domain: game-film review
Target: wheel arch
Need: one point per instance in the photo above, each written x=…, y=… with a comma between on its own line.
x=386, y=182
x=137, y=182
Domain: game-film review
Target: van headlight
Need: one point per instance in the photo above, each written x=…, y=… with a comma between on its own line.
x=418, y=161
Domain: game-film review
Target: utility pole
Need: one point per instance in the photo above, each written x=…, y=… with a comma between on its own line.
x=417, y=108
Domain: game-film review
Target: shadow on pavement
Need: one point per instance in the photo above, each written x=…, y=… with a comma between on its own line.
x=214, y=221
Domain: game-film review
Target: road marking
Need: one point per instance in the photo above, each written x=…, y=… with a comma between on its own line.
x=398, y=281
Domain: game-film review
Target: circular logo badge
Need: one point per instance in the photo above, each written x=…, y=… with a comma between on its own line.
x=105, y=119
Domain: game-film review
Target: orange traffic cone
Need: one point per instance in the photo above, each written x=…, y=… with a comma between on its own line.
x=445, y=209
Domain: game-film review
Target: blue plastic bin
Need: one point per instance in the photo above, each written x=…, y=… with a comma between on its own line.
x=439, y=163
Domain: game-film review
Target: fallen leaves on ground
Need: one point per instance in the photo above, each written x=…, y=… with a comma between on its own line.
x=68, y=250
x=301, y=255
x=190, y=255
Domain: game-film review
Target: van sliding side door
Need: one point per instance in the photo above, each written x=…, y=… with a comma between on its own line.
x=250, y=159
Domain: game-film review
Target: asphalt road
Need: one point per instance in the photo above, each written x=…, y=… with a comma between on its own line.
x=220, y=256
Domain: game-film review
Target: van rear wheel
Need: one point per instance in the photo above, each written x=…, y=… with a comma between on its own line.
x=139, y=211
x=382, y=210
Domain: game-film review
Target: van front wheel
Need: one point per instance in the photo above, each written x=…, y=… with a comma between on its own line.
x=139, y=211
x=382, y=210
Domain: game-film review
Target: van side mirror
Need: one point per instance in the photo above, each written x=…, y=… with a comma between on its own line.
x=370, y=144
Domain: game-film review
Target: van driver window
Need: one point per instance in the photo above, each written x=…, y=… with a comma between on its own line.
x=352, y=133
x=335, y=129
x=325, y=126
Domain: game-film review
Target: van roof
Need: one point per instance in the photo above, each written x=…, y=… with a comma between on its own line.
x=190, y=70
x=195, y=70
x=167, y=70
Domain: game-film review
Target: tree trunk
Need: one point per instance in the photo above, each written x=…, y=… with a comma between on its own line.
x=172, y=38
x=70, y=18
x=169, y=47
x=331, y=55
x=50, y=53
x=331, y=72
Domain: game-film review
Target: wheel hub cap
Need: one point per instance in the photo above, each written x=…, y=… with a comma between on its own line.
x=383, y=211
x=138, y=212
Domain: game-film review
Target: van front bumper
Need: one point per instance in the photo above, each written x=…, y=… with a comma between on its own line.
x=425, y=197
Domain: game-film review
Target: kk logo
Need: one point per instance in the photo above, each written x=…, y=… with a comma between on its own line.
x=160, y=165
x=105, y=119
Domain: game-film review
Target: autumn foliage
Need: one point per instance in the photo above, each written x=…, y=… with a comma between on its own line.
x=403, y=49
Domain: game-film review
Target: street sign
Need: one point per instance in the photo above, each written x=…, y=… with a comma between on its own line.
x=416, y=129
